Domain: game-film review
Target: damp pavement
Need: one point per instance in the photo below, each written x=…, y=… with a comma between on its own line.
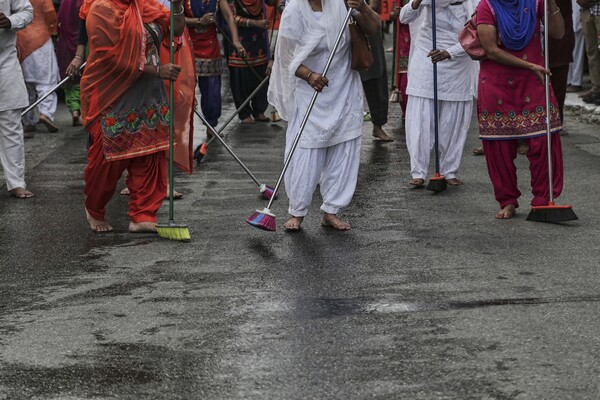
x=428, y=297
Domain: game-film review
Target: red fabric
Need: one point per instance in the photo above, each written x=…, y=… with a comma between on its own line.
x=500, y=156
x=146, y=180
x=206, y=44
x=511, y=102
x=273, y=14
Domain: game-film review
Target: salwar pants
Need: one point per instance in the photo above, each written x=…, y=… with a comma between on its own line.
x=12, y=149
x=576, y=67
x=334, y=168
x=454, y=122
x=500, y=156
x=210, y=98
x=590, y=26
x=243, y=83
x=146, y=180
x=72, y=97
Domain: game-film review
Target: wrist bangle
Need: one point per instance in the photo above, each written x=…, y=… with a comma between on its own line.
x=181, y=10
x=555, y=12
x=309, y=74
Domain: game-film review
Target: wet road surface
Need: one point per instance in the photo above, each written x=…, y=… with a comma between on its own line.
x=428, y=297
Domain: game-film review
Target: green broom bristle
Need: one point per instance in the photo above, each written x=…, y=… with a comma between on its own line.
x=174, y=232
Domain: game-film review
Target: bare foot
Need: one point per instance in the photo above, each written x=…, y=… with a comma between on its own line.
x=142, y=227
x=332, y=221
x=293, y=224
x=478, y=151
x=381, y=135
x=21, y=193
x=262, y=118
x=417, y=183
x=125, y=192
x=48, y=123
x=96, y=225
x=176, y=195
x=454, y=182
x=507, y=212
x=248, y=121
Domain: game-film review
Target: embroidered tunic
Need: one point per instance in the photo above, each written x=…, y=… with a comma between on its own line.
x=207, y=50
x=511, y=101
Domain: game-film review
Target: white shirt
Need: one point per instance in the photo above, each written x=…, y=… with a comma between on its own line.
x=457, y=76
x=13, y=94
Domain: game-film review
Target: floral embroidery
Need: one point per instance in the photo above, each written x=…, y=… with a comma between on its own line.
x=110, y=124
x=133, y=120
x=499, y=101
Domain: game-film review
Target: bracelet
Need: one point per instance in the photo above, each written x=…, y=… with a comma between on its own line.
x=555, y=12
x=309, y=74
x=180, y=12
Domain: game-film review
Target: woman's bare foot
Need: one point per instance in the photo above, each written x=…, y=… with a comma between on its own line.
x=454, y=182
x=478, y=151
x=507, y=212
x=125, y=192
x=380, y=134
x=96, y=225
x=417, y=183
x=332, y=221
x=48, y=123
x=293, y=224
x=262, y=118
x=142, y=227
x=21, y=193
x=248, y=121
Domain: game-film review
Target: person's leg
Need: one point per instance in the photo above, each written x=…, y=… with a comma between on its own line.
x=499, y=157
x=48, y=106
x=559, y=78
x=403, y=79
x=101, y=179
x=12, y=153
x=30, y=119
x=210, y=98
x=338, y=180
x=236, y=80
x=576, y=67
x=590, y=34
x=419, y=135
x=538, y=165
x=259, y=103
x=376, y=92
x=72, y=94
x=147, y=183
x=455, y=119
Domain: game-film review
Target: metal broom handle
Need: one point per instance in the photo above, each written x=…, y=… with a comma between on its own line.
x=310, y=107
x=435, y=90
x=547, y=87
x=38, y=101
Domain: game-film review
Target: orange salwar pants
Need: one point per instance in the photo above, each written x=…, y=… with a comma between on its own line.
x=146, y=180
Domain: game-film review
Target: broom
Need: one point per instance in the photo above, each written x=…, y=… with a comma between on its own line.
x=550, y=212
x=394, y=92
x=39, y=100
x=265, y=190
x=201, y=154
x=437, y=183
x=172, y=230
x=264, y=219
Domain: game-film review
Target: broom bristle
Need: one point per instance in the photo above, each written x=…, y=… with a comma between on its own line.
x=266, y=191
x=200, y=152
x=552, y=213
x=173, y=231
x=437, y=183
x=264, y=220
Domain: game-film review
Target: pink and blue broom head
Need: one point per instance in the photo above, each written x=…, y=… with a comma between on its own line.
x=266, y=191
x=264, y=220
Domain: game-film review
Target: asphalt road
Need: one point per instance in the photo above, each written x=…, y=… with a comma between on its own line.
x=428, y=297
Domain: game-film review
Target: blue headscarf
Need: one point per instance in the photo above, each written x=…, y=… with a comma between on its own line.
x=516, y=21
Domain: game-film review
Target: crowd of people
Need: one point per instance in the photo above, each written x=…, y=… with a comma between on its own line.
x=120, y=94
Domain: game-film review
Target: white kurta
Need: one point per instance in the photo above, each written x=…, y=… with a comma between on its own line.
x=328, y=153
x=457, y=87
x=13, y=94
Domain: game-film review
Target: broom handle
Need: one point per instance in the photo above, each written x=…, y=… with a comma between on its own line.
x=220, y=139
x=171, y=114
x=435, y=90
x=256, y=74
x=244, y=104
x=38, y=101
x=547, y=87
x=308, y=111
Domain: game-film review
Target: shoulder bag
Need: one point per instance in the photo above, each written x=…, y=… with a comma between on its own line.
x=469, y=39
x=362, y=57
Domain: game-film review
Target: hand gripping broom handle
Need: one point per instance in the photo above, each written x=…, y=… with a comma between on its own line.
x=171, y=114
x=310, y=107
x=547, y=87
x=38, y=101
x=435, y=91
x=220, y=139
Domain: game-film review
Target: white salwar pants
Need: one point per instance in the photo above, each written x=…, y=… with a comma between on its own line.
x=12, y=148
x=575, y=77
x=454, y=122
x=40, y=71
x=334, y=168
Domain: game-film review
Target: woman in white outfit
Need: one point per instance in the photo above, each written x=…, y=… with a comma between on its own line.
x=457, y=80
x=328, y=153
